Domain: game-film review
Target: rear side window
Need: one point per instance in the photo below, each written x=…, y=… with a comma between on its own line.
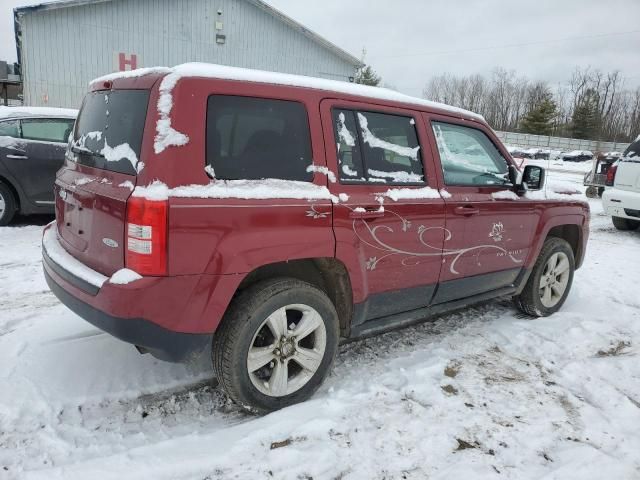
x=109, y=130
x=255, y=138
x=469, y=157
x=47, y=130
x=377, y=148
x=9, y=129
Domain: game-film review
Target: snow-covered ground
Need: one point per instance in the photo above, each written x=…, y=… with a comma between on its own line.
x=483, y=393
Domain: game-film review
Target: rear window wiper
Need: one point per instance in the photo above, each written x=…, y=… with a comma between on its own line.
x=85, y=151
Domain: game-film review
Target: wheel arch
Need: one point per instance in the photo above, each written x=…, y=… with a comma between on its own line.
x=16, y=192
x=328, y=274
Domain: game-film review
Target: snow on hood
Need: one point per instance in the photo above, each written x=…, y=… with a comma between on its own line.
x=269, y=188
x=6, y=112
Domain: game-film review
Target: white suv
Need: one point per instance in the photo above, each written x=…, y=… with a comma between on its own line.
x=621, y=199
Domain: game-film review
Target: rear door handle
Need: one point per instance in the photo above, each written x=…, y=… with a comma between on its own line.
x=466, y=211
x=363, y=214
x=17, y=157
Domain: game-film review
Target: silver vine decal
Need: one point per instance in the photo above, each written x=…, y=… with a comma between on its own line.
x=413, y=258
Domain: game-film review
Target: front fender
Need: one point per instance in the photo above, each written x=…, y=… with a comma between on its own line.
x=558, y=215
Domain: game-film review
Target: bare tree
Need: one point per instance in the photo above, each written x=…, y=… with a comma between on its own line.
x=505, y=99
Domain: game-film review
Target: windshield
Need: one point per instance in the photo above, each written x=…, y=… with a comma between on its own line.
x=109, y=129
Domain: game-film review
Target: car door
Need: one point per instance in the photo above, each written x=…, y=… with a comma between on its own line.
x=389, y=222
x=11, y=146
x=490, y=229
x=44, y=143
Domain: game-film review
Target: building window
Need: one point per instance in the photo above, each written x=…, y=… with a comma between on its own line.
x=255, y=138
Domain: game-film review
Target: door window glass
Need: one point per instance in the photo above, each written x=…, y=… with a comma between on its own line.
x=47, y=130
x=390, y=148
x=377, y=147
x=254, y=138
x=9, y=129
x=349, y=159
x=469, y=157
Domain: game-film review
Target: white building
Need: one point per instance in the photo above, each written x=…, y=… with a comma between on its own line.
x=63, y=45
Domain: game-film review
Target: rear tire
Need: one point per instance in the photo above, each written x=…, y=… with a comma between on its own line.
x=625, y=224
x=592, y=192
x=8, y=205
x=550, y=280
x=276, y=344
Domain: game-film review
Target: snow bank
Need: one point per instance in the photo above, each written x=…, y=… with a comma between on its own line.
x=38, y=111
x=396, y=194
x=242, y=189
x=124, y=276
x=60, y=256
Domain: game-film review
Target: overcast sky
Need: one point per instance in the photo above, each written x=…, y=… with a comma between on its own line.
x=408, y=41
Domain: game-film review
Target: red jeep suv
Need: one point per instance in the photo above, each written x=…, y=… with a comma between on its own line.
x=271, y=216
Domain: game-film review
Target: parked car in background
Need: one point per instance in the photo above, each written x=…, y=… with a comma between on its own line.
x=32, y=147
x=621, y=198
x=273, y=215
x=577, y=156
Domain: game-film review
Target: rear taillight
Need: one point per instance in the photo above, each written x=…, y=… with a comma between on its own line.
x=147, y=236
x=611, y=175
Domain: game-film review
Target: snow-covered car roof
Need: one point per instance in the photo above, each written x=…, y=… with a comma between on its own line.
x=17, y=112
x=223, y=72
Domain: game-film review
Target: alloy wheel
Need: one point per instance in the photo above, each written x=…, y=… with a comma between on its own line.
x=554, y=279
x=287, y=350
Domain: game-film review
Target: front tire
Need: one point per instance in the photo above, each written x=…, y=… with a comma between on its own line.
x=276, y=344
x=7, y=205
x=624, y=224
x=550, y=280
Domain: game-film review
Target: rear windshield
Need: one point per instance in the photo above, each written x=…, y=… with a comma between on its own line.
x=108, y=133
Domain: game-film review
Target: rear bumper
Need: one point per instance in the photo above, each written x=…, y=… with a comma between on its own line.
x=621, y=203
x=161, y=343
x=171, y=317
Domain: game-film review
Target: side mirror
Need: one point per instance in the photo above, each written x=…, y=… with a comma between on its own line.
x=533, y=177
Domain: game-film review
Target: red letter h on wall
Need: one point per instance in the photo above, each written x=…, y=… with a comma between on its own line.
x=124, y=62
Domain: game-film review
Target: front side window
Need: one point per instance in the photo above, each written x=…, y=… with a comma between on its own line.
x=47, y=130
x=377, y=147
x=9, y=129
x=255, y=138
x=469, y=157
